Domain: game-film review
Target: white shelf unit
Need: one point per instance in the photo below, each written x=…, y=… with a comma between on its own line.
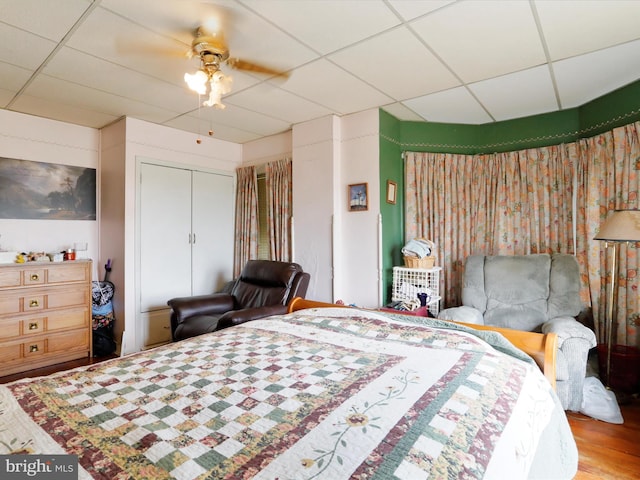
x=408, y=282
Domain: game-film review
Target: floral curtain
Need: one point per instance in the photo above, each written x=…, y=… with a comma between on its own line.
x=279, y=205
x=246, y=238
x=524, y=202
x=608, y=175
x=503, y=203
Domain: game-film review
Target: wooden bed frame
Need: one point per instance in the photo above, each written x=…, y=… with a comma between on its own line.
x=541, y=347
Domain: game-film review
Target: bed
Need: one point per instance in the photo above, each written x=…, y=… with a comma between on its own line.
x=320, y=392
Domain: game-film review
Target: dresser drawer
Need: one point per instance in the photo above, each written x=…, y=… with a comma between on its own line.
x=10, y=277
x=36, y=299
x=69, y=272
x=35, y=274
x=53, y=321
x=74, y=340
x=10, y=353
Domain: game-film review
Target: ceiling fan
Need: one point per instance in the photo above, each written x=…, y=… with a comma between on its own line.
x=211, y=48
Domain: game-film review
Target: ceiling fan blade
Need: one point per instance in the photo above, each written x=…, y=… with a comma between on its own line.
x=254, y=67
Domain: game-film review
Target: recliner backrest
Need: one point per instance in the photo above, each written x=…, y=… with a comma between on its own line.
x=522, y=291
x=266, y=282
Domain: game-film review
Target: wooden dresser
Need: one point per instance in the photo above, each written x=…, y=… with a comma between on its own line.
x=45, y=314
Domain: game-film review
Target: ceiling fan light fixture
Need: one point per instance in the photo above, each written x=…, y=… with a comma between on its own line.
x=197, y=81
x=218, y=86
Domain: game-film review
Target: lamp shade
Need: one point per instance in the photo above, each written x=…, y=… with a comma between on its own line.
x=620, y=226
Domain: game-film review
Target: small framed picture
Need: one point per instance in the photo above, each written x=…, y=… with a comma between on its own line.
x=358, y=199
x=392, y=189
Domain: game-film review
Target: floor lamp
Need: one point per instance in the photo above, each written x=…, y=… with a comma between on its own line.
x=622, y=226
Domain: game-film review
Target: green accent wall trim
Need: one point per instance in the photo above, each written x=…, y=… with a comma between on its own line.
x=600, y=115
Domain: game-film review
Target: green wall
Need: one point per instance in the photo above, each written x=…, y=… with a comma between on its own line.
x=396, y=136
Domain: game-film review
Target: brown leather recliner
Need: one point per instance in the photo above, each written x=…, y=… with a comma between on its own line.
x=263, y=288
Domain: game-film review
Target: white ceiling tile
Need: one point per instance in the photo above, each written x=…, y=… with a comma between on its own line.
x=275, y=102
x=13, y=78
x=451, y=106
x=238, y=117
x=23, y=49
x=83, y=69
x=574, y=27
x=479, y=40
x=524, y=93
x=50, y=20
x=52, y=89
x=59, y=109
x=401, y=112
x=334, y=88
x=410, y=9
x=396, y=63
x=200, y=129
x=328, y=25
x=584, y=78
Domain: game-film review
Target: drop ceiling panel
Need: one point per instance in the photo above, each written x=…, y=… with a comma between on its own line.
x=122, y=42
x=328, y=25
x=275, y=102
x=23, y=49
x=50, y=20
x=396, y=63
x=410, y=9
x=241, y=118
x=401, y=112
x=573, y=28
x=334, y=88
x=93, y=72
x=13, y=78
x=220, y=131
x=479, y=40
x=49, y=88
x=451, y=106
x=581, y=79
x=529, y=91
x=60, y=110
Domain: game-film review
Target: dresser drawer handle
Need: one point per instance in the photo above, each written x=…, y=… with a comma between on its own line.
x=33, y=326
x=35, y=277
x=34, y=303
x=33, y=348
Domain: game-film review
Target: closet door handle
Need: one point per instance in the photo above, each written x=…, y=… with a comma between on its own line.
x=194, y=238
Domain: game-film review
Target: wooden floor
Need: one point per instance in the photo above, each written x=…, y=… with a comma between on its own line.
x=607, y=451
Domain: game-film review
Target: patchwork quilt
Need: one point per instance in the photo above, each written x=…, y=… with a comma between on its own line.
x=316, y=394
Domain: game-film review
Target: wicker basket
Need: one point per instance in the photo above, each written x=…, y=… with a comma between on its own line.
x=415, y=262
x=424, y=262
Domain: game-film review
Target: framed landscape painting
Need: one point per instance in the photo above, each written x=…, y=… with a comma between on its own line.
x=46, y=191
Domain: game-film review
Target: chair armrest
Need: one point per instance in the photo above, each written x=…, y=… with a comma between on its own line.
x=567, y=328
x=237, y=317
x=462, y=314
x=185, y=307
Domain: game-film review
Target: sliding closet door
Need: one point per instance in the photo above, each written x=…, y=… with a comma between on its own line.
x=212, y=215
x=165, y=229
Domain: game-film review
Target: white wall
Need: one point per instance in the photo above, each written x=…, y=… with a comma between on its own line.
x=37, y=139
x=316, y=154
x=358, y=268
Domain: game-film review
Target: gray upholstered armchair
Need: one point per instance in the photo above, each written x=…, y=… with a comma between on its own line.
x=537, y=292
